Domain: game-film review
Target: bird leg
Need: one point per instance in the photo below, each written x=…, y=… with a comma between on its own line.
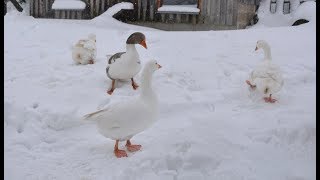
x=119, y=153
x=91, y=61
x=112, y=87
x=134, y=84
x=132, y=147
x=251, y=86
x=269, y=99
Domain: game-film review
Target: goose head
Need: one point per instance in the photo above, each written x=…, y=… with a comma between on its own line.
x=92, y=37
x=261, y=44
x=151, y=66
x=137, y=38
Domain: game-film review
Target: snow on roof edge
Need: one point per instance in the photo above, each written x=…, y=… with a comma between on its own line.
x=179, y=8
x=70, y=4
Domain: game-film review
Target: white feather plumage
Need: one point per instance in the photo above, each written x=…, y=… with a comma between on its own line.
x=84, y=51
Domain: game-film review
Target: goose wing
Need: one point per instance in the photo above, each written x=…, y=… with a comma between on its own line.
x=115, y=57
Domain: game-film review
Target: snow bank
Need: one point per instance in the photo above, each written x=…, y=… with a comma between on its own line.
x=179, y=8
x=115, y=9
x=106, y=20
x=68, y=4
x=306, y=10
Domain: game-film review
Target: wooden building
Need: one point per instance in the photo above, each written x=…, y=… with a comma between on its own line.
x=161, y=14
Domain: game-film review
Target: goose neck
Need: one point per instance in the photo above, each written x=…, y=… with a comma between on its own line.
x=146, y=84
x=267, y=52
x=131, y=48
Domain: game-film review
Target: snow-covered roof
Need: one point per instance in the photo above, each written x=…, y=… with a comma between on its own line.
x=118, y=7
x=179, y=8
x=68, y=4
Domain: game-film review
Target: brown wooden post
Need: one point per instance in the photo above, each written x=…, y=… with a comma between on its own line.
x=199, y=4
x=159, y=3
x=139, y=9
x=151, y=9
x=135, y=9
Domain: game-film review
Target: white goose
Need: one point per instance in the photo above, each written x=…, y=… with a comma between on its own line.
x=121, y=121
x=266, y=77
x=84, y=51
x=125, y=65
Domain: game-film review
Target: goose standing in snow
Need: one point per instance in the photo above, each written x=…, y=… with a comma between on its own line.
x=84, y=51
x=266, y=77
x=121, y=121
x=125, y=65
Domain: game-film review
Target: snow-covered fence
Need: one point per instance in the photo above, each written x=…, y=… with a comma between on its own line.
x=165, y=14
x=199, y=14
x=43, y=9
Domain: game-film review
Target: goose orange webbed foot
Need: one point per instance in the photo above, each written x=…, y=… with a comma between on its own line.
x=120, y=153
x=133, y=147
x=110, y=91
x=134, y=84
x=117, y=152
x=269, y=100
x=112, y=87
x=91, y=61
x=251, y=86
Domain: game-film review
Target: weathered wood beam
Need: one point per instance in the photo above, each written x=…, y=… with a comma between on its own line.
x=199, y=4
x=159, y=3
x=16, y=5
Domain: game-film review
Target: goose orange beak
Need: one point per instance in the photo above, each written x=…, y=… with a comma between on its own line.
x=143, y=43
x=159, y=66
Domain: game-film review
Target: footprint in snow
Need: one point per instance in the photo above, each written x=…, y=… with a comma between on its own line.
x=35, y=105
x=183, y=147
x=211, y=107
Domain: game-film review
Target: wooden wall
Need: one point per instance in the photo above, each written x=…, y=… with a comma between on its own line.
x=40, y=8
x=219, y=12
x=216, y=12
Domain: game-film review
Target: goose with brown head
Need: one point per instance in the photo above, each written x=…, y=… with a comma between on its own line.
x=125, y=65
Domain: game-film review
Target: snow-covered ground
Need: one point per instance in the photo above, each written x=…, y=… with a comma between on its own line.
x=210, y=125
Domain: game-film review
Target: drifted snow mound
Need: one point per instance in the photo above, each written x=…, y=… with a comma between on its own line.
x=306, y=10
x=113, y=10
x=106, y=19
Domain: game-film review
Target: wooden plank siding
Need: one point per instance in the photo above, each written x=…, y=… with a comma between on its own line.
x=223, y=12
x=213, y=12
x=235, y=12
x=229, y=15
